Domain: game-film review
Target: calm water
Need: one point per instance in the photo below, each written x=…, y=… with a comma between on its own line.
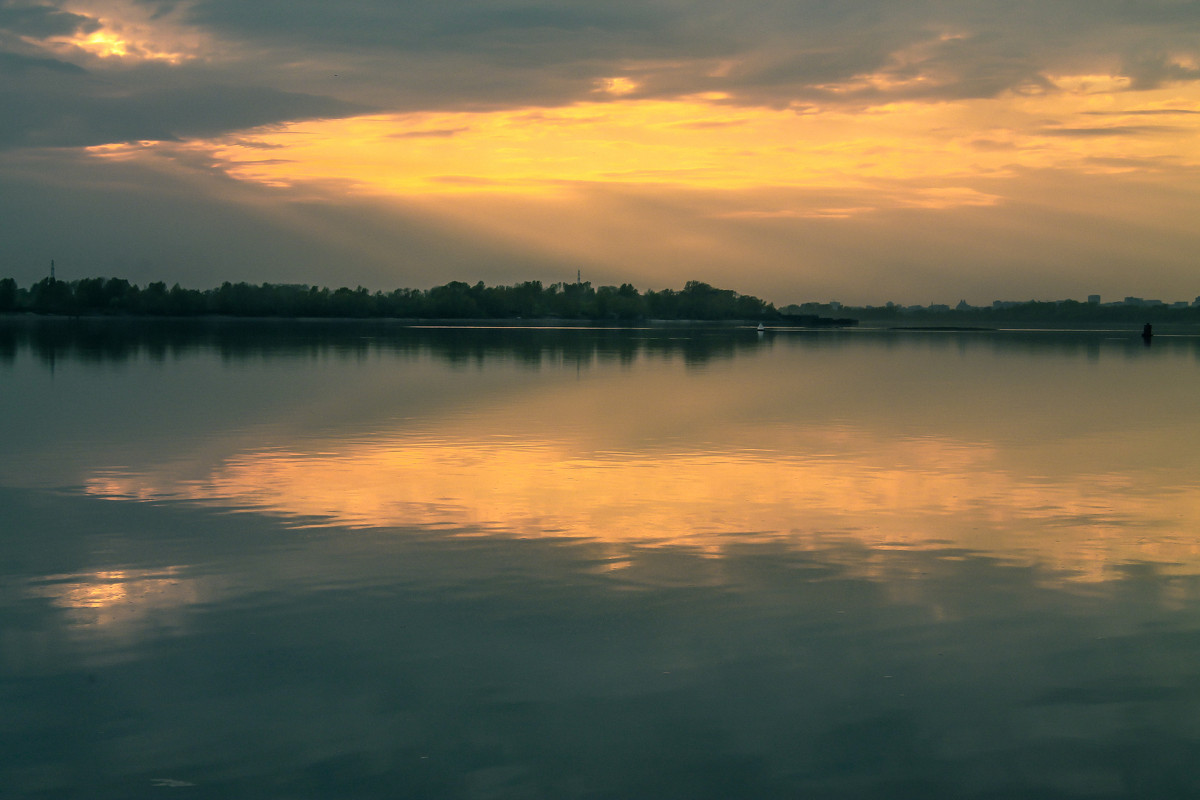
x=279, y=561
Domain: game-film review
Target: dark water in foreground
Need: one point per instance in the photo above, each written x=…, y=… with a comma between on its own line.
x=342, y=561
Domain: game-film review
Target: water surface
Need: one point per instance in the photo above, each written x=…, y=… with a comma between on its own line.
x=273, y=560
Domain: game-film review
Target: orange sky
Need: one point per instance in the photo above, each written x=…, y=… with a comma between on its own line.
x=925, y=155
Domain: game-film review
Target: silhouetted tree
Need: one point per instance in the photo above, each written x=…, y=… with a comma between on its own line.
x=51, y=296
x=453, y=301
x=8, y=294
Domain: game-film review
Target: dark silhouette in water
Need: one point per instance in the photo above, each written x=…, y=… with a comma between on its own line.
x=120, y=339
x=1147, y=333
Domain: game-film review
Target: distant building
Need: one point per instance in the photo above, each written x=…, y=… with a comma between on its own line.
x=963, y=306
x=1094, y=299
x=939, y=307
x=1196, y=302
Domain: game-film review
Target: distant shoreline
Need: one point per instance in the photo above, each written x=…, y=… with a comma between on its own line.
x=565, y=305
x=25, y=318
x=533, y=303
x=952, y=328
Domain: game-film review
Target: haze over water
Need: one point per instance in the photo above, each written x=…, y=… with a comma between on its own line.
x=367, y=561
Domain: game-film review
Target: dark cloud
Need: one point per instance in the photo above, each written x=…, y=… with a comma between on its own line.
x=1112, y=130
x=15, y=64
x=1151, y=70
x=440, y=133
x=471, y=53
x=79, y=110
x=481, y=54
x=1149, y=112
x=42, y=21
x=1144, y=166
x=425, y=25
x=51, y=102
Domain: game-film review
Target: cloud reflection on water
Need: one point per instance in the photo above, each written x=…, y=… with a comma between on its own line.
x=841, y=483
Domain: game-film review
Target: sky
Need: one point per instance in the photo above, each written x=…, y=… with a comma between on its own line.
x=865, y=151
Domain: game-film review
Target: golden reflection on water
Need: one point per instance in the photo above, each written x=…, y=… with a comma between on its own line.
x=842, y=483
x=110, y=598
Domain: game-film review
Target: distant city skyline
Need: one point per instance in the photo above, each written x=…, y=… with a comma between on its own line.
x=1093, y=299
x=866, y=150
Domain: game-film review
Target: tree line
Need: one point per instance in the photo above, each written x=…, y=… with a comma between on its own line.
x=454, y=300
